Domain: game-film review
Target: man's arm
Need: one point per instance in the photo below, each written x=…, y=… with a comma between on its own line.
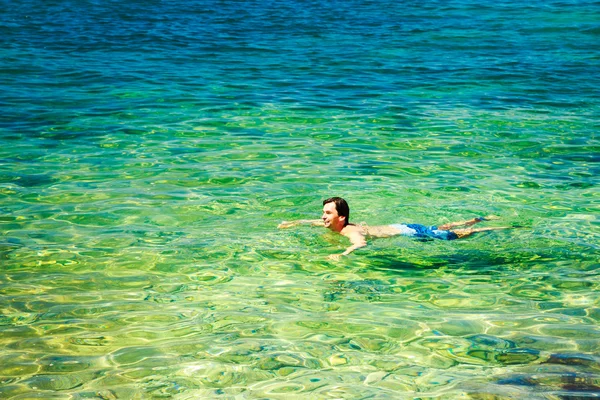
x=289, y=224
x=357, y=239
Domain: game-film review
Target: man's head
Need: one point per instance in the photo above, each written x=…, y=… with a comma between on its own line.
x=336, y=213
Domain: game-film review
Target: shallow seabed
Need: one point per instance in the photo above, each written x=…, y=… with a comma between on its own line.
x=149, y=150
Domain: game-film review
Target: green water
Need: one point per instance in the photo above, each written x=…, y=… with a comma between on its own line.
x=148, y=152
x=162, y=273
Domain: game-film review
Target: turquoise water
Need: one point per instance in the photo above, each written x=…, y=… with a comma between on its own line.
x=150, y=149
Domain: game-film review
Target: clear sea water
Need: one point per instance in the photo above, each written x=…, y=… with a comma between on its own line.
x=150, y=148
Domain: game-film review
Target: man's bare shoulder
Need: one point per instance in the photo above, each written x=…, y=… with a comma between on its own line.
x=353, y=230
x=356, y=234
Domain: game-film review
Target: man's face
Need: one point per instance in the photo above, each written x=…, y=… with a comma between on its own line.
x=330, y=216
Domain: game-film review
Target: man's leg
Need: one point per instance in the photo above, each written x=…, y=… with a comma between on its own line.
x=450, y=225
x=462, y=233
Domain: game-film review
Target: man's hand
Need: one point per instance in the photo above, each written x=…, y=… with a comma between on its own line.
x=335, y=257
x=285, y=224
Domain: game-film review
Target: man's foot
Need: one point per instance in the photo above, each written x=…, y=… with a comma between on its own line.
x=489, y=218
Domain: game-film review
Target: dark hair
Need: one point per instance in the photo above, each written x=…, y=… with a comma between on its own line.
x=341, y=207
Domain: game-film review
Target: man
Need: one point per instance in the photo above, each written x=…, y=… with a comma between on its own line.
x=336, y=214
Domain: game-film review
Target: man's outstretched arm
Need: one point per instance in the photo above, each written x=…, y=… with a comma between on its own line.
x=290, y=224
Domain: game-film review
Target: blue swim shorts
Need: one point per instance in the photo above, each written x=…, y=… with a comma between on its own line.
x=424, y=232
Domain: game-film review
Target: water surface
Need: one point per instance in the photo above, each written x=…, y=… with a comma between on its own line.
x=149, y=150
